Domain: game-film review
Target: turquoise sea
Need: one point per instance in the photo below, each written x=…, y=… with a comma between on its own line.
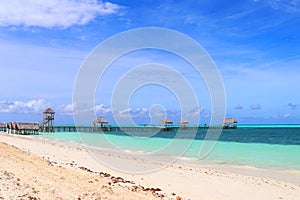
x=262, y=146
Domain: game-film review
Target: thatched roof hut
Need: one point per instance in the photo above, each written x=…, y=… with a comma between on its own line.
x=101, y=121
x=14, y=125
x=2, y=125
x=230, y=123
x=9, y=125
x=23, y=127
x=48, y=120
x=31, y=126
x=183, y=122
x=49, y=111
x=166, y=121
x=229, y=120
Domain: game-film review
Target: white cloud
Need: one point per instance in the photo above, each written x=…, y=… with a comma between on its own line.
x=102, y=109
x=239, y=107
x=68, y=109
x=65, y=109
x=30, y=107
x=54, y=13
x=293, y=106
x=140, y=114
x=194, y=112
x=255, y=107
x=286, y=5
x=291, y=6
x=134, y=112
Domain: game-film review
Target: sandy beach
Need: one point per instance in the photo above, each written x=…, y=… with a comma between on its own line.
x=40, y=169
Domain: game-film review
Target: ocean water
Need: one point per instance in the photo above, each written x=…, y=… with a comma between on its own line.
x=263, y=146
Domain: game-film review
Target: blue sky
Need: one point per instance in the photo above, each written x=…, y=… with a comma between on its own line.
x=254, y=43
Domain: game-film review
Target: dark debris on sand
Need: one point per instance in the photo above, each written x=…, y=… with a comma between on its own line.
x=122, y=182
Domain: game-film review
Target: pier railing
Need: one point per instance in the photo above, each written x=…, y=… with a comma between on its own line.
x=84, y=128
x=34, y=128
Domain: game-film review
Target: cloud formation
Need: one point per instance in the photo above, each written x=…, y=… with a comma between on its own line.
x=146, y=113
x=255, y=107
x=292, y=6
x=293, y=106
x=286, y=5
x=20, y=107
x=239, y=107
x=54, y=13
x=65, y=109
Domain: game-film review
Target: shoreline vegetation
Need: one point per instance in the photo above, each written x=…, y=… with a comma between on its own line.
x=42, y=169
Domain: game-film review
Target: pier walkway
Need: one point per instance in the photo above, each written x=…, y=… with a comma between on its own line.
x=28, y=128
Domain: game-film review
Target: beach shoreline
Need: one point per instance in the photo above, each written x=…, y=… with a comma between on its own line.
x=188, y=181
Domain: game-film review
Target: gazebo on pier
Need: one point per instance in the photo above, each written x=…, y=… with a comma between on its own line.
x=100, y=121
x=230, y=123
x=182, y=123
x=166, y=122
x=48, y=120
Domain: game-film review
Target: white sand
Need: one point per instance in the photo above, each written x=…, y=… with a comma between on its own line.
x=190, y=182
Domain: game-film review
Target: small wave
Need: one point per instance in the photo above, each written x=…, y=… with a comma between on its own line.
x=134, y=151
x=188, y=158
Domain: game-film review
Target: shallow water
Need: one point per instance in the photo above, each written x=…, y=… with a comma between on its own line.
x=276, y=147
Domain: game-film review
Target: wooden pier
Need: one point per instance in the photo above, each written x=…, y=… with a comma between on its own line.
x=28, y=128
x=59, y=128
x=47, y=125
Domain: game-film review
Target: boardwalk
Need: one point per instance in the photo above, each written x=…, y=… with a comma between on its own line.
x=27, y=128
x=125, y=128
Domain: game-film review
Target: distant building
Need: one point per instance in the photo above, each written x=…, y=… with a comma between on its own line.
x=100, y=121
x=229, y=123
x=3, y=126
x=48, y=120
x=182, y=123
x=25, y=128
x=166, y=122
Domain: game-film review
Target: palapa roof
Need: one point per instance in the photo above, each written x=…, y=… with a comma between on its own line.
x=27, y=125
x=230, y=120
x=166, y=121
x=14, y=125
x=10, y=125
x=101, y=120
x=23, y=125
x=49, y=111
x=183, y=121
x=2, y=125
